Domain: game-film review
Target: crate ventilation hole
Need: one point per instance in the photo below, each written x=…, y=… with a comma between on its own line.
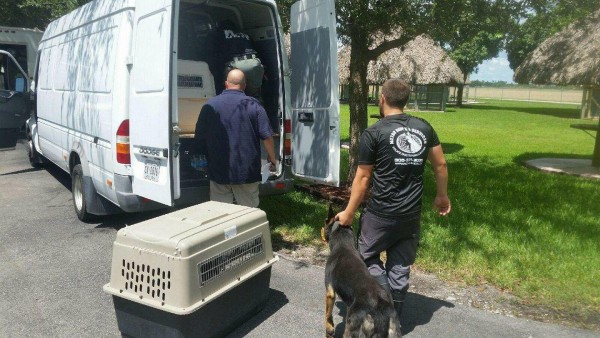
x=146, y=280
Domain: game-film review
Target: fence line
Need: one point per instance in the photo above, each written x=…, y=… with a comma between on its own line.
x=567, y=96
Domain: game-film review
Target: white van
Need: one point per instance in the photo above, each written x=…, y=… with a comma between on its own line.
x=120, y=84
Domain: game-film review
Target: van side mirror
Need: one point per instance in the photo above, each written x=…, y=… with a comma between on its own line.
x=20, y=85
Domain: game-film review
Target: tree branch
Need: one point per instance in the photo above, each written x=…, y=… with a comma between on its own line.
x=387, y=45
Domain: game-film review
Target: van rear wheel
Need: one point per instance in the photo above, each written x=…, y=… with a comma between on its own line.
x=78, y=191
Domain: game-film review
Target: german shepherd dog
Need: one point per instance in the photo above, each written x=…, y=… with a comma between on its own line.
x=370, y=310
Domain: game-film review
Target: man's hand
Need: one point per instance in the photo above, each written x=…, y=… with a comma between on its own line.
x=273, y=162
x=345, y=218
x=442, y=205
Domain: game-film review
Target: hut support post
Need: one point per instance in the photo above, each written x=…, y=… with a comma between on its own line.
x=585, y=103
x=445, y=94
x=596, y=157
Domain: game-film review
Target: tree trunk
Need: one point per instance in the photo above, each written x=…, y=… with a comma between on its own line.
x=461, y=88
x=358, y=100
x=596, y=157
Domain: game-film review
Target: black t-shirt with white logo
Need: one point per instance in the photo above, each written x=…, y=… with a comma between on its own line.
x=397, y=146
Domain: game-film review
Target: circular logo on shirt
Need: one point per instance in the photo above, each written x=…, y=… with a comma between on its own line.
x=408, y=141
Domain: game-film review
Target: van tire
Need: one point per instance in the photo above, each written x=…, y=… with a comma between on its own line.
x=78, y=191
x=35, y=159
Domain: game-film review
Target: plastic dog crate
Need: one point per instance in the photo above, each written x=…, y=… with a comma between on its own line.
x=196, y=272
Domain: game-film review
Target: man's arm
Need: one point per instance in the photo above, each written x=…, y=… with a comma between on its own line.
x=270, y=148
x=202, y=128
x=440, y=169
x=360, y=185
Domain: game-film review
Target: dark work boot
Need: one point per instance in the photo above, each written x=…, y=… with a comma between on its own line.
x=398, y=298
x=383, y=281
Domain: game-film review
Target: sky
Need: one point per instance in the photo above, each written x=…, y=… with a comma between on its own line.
x=496, y=69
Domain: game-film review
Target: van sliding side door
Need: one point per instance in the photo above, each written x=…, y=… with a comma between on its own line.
x=150, y=121
x=314, y=92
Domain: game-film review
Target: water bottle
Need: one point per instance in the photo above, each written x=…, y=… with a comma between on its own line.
x=200, y=163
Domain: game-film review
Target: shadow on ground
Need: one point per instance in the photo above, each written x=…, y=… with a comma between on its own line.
x=277, y=300
x=531, y=156
x=418, y=310
x=452, y=148
x=560, y=112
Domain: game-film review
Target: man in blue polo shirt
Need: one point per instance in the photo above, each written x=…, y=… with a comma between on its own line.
x=228, y=132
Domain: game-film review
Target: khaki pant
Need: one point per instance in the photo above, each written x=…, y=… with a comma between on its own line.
x=244, y=194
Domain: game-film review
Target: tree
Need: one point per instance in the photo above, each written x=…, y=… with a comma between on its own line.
x=477, y=32
x=362, y=23
x=542, y=19
x=35, y=13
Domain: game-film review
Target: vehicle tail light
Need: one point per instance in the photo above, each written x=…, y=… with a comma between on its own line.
x=123, y=149
x=287, y=145
x=288, y=126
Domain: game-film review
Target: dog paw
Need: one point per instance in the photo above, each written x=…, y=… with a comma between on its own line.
x=329, y=333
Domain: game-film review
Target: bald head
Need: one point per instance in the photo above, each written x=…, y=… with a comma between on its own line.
x=235, y=80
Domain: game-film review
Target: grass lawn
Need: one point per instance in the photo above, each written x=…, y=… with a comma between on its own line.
x=534, y=234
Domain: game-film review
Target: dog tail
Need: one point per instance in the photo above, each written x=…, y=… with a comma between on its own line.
x=368, y=326
x=394, y=328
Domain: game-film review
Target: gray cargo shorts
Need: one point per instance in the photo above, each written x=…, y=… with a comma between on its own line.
x=398, y=238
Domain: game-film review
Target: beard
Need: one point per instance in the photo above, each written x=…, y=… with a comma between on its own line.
x=381, y=110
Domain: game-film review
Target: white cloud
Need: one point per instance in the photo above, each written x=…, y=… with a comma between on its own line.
x=496, y=69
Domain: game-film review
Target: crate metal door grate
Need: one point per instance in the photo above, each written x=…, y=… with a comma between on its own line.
x=213, y=267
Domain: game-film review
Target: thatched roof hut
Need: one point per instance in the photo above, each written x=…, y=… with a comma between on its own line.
x=569, y=57
x=421, y=61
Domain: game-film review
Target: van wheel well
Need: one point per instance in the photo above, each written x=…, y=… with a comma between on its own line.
x=73, y=161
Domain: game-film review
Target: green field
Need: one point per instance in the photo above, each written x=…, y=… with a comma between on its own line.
x=534, y=234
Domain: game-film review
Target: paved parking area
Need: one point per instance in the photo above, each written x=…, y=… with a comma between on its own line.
x=53, y=267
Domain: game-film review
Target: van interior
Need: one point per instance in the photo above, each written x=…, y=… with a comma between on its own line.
x=201, y=68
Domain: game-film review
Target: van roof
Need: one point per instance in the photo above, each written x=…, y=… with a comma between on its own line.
x=89, y=12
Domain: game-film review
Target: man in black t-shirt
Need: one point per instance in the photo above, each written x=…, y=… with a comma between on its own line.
x=392, y=155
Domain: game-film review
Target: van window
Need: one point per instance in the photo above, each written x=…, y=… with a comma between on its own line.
x=65, y=75
x=19, y=52
x=150, y=39
x=10, y=76
x=46, y=70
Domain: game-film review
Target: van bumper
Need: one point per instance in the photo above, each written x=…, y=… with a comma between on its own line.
x=276, y=187
x=130, y=202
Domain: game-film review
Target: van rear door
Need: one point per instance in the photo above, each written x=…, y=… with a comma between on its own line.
x=150, y=114
x=314, y=92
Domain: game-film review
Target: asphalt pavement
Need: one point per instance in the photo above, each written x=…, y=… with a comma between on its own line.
x=53, y=267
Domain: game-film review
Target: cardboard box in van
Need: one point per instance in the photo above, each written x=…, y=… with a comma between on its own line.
x=120, y=84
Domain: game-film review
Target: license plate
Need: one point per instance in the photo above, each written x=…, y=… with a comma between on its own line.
x=152, y=170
